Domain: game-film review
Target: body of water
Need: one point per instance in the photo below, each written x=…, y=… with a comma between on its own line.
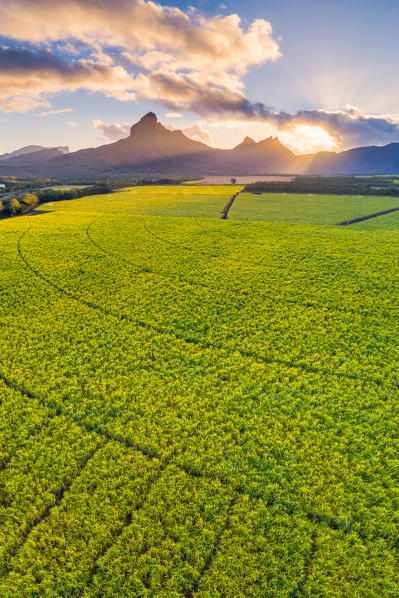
x=244, y=180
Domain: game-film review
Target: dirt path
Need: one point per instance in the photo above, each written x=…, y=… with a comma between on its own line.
x=367, y=217
x=226, y=209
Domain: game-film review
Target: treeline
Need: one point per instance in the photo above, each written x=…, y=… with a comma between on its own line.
x=137, y=181
x=328, y=185
x=16, y=185
x=46, y=195
x=16, y=206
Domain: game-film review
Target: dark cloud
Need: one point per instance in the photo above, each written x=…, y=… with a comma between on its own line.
x=350, y=127
x=28, y=77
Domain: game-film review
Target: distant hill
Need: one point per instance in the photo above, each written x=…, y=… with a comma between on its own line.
x=32, y=155
x=153, y=149
x=361, y=160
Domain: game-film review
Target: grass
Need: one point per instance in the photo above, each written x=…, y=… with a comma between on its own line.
x=386, y=222
x=202, y=201
x=310, y=209
x=196, y=407
x=67, y=187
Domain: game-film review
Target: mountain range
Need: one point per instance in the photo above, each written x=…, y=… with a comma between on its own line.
x=153, y=149
x=32, y=155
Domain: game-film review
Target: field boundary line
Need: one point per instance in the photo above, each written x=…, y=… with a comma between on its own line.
x=228, y=206
x=367, y=217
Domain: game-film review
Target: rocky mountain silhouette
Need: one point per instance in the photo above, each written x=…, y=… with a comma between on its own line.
x=31, y=155
x=153, y=149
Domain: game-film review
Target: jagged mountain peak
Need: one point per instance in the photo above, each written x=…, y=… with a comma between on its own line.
x=247, y=141
x=148, y=122
x=153, y=148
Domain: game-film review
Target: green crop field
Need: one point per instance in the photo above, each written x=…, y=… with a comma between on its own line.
x=67, y=187
x=388, y=221
x=311, y=209
x=196, y=408
x=202, y=201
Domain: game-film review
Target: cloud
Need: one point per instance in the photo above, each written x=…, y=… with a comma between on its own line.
x=72, y=123
x=173, y=115
x=189, y=92
x=142, y=44
x=188, y=38
x=27, y=78
x=195, y=132
x=59, y=111
x=348, y=128
x=114, y=132
x=138, y=49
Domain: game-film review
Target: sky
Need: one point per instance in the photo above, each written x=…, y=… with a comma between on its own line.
x=319, y=75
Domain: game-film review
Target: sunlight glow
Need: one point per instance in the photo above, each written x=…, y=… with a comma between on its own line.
x=307, y=139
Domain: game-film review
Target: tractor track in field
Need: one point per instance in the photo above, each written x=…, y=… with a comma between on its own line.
x=315, y=518
x=153, y=454
x=190, y=592
x=140, y=269
x=191, y=341
x=367, y=217
x=299, y=590
x=37, y=429
x=127, y=521
x=270, y=298
x=59, y=494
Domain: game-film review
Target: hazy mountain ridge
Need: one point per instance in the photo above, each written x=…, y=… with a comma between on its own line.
x=31, y=155
x=152, y=148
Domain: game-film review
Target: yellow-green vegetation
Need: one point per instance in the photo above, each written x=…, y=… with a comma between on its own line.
x=15, y=207
x=387, y=221
x=196, y=408
x=202, y=201
x=311, y=209
x=67, y=187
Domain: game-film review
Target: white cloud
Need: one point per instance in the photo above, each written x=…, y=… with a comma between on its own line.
x=27, y=79
x=59, y=111
x=195, y=132
x=179, y=54
x=173, y=115
x=114, y=132
x=72, y=123
x=347, y=128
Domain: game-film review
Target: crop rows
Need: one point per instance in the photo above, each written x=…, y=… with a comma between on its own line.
x=167, y=456
x=307, y=208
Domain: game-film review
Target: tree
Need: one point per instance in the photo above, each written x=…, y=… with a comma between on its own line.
x=30, y=201
x=233, y=181
x=12, y=207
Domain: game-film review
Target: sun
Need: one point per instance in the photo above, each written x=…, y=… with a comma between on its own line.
x=307, y=139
